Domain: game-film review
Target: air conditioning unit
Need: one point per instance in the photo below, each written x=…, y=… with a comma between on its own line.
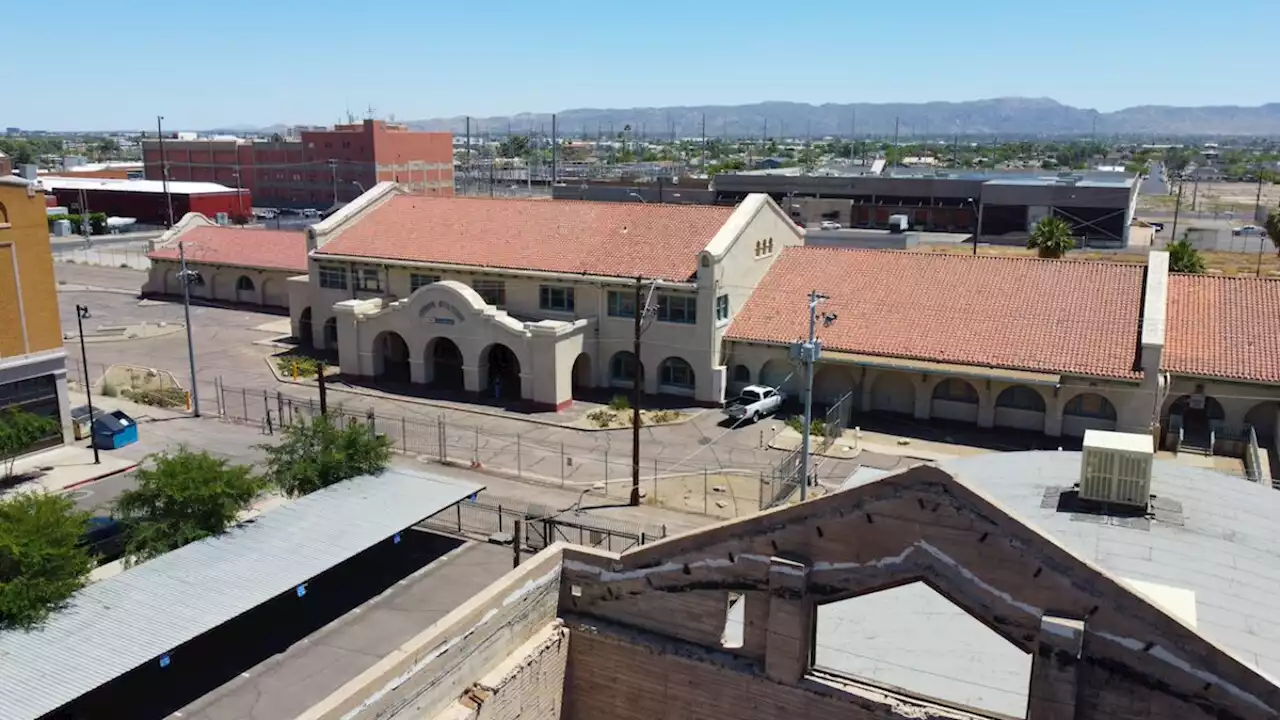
x=1116, y=468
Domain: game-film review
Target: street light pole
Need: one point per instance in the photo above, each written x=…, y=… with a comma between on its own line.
x=187, y=277
x=82, y=313
x=164, y=167
x=1258, y=218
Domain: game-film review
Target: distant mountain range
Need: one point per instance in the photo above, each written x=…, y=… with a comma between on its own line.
x=1008, y=117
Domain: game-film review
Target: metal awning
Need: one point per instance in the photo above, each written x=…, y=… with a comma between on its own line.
x=136, y=617
x=927, y=367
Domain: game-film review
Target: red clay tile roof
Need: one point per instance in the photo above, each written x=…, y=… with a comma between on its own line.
x=1223, y=327
x=1019, y=313
x=594, y=238
x=240, y=247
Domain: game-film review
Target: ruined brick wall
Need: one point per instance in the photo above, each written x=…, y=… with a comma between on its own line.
x=1098, y=649
x=527, y=686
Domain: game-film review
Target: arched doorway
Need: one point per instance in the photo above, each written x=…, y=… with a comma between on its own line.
x=1263, y=417
x=444, y=364
x=502, y=372
x=893, y=392
x=778, y=373
x=330, y=333
x=304, y=328
x=1195, y=414
x=1087, y=411
x=623, y=368
x=245, y=291
x=581, y=380
x=676, y=377
x=391, y=357
x=1021, y=408
x=954, y=399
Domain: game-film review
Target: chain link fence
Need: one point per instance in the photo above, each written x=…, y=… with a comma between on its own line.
x=723, y=493
x=541, y=526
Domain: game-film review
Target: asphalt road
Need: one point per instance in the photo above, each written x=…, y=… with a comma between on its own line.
x=1155, y=183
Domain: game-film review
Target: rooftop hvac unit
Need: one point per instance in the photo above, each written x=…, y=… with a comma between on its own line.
x=1116, y=468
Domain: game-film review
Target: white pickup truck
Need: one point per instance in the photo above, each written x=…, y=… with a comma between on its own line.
x=755, y=402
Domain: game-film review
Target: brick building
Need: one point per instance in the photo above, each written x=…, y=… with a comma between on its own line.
x=145, y=200
x=317, y=170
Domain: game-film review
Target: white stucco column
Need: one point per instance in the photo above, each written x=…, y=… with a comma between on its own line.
x=417, y=369
x=987, y=407
x=352, y=358
x=1053, y=416
x=471, y=378
x=924, y=398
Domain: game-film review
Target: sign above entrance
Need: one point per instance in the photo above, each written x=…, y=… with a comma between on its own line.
x=445, y=306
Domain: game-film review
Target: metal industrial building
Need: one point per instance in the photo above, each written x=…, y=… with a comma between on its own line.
x=1099, y=205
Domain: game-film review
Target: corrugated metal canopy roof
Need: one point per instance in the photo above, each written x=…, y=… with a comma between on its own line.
x=115, y=625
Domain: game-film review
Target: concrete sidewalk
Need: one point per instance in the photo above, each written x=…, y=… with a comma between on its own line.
x=66, y=467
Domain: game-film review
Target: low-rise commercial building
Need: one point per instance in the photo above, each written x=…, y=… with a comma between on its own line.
x=147, y=201
x=33, y=364
x=527, y=299
x=320, y=168
x=245, y=266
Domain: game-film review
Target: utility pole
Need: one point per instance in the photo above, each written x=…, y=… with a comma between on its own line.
x=895, y=142
x=164, y=167
x=637, y=387
x=82, y=314
x=324, y=395
x=333, y=172
x=554, y=151
x=704, y=142
x=189, y=278
x=1258, y=218
x=853, y=133
x=466, y=166
x=977, y=236
x=809, y=352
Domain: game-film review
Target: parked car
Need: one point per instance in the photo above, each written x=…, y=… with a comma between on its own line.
x=1249, y=230
x=754, y=402
x=830, y=225
x=1157, y=226
x=105, y=538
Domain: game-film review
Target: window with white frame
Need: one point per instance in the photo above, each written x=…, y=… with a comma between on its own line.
x=677, y=373
x=333, y=277
x=418, y=280
x=622, y=304
x=557, y=298
x=678, y=309
x=369, y=279
x=722, y=308
x=493, y=292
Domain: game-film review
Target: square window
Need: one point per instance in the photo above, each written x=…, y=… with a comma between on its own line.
x=722, y=307
x=370, y=279
x=678, y=309
x=494, y=292
x=622, y=304
x=333, y=277
x=417, y=281
x=555, y=298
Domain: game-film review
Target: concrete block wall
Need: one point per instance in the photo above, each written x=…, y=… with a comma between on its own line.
x=529, y=685
x=428, y=674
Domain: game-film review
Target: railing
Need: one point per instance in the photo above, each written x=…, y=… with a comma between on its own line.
x=1213, y=440
x=1177, y=448
x=1253, y=458
x=482, y=519
x=781, y=482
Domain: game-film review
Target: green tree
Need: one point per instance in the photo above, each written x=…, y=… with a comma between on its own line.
x=321, y=451
x=19, y=430
x=1051, y=238
x=1184, y=258
x=1272, y=226
x=183, y=497
x=42, y=561
x=514, y=146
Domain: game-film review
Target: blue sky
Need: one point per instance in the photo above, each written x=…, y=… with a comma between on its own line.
x=267, y=61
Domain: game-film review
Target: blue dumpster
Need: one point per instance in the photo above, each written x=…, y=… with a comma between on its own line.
x=114, y=430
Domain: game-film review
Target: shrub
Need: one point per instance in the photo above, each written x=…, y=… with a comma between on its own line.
x=170, y=397
x=816, y=427
x=620, y=403
x=602, y=418
x=109, y=390
x=307, y=367
x=666, y=416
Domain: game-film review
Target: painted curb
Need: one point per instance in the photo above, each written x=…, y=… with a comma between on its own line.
x=104, y=476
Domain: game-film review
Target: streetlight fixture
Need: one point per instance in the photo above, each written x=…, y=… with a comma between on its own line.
x=977, y=233
x=82, y=314
x=637, y=196
x=357, y=184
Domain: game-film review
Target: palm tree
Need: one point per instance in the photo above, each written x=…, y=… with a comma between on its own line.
x=1052, y=238
x=1184, y=258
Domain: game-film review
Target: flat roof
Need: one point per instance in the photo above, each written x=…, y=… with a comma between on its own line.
x=1215, y=562
x=55, y=182
x=1125, y=442
x=118, y=624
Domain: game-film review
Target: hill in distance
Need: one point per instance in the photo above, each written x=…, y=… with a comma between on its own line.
x=1009, y=117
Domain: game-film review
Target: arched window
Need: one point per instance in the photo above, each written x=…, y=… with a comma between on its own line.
x=675, y=372
x=244, y=284
x=1020, y=397
x=741, y=374
x=1091, y=405
x=955, y=390
x=622, y=366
